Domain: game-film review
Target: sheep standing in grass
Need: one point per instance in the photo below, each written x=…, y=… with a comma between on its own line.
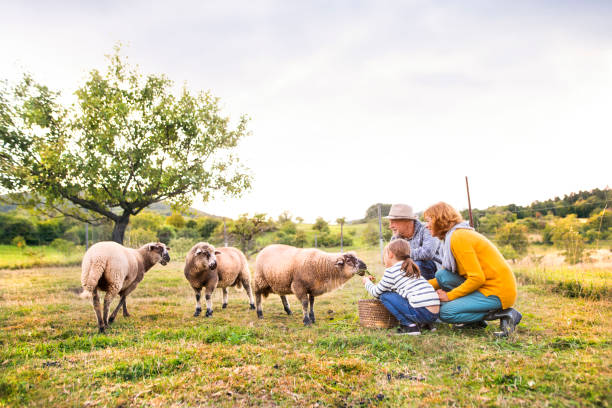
x=115, y=269
x=306, y=273
x=207, y=267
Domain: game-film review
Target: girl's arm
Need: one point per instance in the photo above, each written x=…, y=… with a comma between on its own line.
x=385, y=285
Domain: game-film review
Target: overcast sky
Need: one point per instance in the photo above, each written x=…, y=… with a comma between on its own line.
x=358, y=102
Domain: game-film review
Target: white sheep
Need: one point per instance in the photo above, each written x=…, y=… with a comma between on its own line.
x=207, y=267
x=115, y=269
x=306, y=273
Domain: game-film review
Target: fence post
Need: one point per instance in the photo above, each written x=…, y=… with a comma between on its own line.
x=224, y=232
x=380, y=234
x=86, y=236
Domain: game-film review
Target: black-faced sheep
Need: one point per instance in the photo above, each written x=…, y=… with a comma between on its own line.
x=115, y=269
x=306, y=273
x=207, y=267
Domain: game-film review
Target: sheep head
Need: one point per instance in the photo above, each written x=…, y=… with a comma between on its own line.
x=160, y=252
x=351, y=265
x=205, y=256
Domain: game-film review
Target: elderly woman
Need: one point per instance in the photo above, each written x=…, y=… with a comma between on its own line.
x=474, y=279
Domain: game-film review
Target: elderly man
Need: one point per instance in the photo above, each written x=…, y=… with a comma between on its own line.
x=423, y=247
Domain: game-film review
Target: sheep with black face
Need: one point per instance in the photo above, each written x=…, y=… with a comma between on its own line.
x=209, y=267
x=115, y=269
x=283, y=269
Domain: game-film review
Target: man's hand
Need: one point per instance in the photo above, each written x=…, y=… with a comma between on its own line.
x=442, y=295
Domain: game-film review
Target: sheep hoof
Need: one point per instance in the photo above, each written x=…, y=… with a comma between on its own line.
x=307, y=321
x=208, y=313
x=111, y=320
x=197, y=312
x=126, y=315
x=260, y=314
x=288, y=311
x=312, y=319
x=224, y=306
x=100, y=329
x=251, y=306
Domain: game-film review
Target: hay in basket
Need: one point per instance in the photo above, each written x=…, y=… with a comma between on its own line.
x=372, y=313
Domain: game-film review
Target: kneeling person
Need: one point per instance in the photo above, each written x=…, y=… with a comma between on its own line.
x=404, y=292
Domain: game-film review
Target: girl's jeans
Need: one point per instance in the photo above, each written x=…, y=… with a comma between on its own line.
x=403, y=312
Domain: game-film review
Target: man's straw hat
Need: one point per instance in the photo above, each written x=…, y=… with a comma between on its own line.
x=401, y=212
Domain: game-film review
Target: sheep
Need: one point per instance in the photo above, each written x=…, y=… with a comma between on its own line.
x=207, y=267
x=283, y=269
x=115, y=269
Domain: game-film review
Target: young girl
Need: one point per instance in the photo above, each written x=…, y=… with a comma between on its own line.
x=407, y=295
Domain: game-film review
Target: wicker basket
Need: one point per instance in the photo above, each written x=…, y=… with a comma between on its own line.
x=372, y=313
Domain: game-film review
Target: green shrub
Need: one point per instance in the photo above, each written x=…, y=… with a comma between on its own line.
x=137, y=237
x=165, y=234
x=63, y=246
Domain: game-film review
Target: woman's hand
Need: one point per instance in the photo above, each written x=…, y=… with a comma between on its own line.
x=367, y=278
x=442, y=295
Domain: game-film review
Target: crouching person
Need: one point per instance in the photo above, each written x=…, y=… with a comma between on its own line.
x=475, y=279
x=404, y=292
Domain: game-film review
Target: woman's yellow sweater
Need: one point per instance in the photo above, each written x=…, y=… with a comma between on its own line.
x=482, y=266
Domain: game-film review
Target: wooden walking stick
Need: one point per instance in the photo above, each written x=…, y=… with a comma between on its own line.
x=467, y=186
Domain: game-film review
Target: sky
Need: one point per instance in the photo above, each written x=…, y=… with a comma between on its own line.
x=358, y=102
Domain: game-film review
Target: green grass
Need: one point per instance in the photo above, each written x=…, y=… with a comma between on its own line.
x=578, y=281
x=51, y=354
x=12, y=257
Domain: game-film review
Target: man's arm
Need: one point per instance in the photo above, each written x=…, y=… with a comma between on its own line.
x=427, y=251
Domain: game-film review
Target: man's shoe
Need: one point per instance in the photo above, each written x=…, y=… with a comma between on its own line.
x=474, y=325
x=412, y=330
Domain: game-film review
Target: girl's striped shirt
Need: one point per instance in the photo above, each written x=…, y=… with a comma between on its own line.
x=418, y=292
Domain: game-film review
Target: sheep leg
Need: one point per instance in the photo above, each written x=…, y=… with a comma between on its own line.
x=111, y=319
x=224, y=304
x=125, y=312
x=208, y=295
x=285, y=304
x=247, y=286
x=96, y=306
x=198, y=295
x=258, y=302
x=311, y=299
x=108, y=298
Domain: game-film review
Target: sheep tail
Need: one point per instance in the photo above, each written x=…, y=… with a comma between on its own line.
x=89, y=281
x=85, y=294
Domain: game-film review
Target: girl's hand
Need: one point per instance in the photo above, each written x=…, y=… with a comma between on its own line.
x=442, y=295
x=367, y=278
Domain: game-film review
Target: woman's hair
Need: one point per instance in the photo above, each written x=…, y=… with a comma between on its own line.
x=442, y=217
x=400, y=248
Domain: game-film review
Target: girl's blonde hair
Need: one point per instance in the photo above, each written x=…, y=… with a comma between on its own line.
x=442, y=218
x=400, y=248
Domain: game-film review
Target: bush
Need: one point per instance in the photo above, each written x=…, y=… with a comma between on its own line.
x=13, y=226
x=63, y=246
x=514, y=235
x=165, y=234
x=206, y=226
x=19, y=242
x=321, y=225
x=176, y=220
x=333, y=240
x=566, y=235
x=148, y=220
x=190, y=233
x=509, y=253
x=180, y=246
x=75, y=234
x=137, y=237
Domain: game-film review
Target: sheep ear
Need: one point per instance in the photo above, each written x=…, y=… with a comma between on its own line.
x=199, y=251
x=218, y=252
x=340, y=262
x=151, y=247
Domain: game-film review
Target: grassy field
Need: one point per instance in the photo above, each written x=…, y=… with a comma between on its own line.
x=51, y=354
x=12, y=257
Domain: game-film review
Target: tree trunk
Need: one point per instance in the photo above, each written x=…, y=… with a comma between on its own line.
x=119, y=230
